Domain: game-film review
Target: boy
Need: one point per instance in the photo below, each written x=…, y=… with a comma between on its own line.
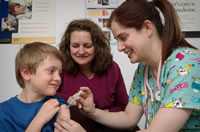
x=38, y=67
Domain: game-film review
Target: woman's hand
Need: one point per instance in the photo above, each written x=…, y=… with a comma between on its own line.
x=63, y=114
x=143, y=130
x=73, y=100
x=86, y=101
x=64, y=123
x=68, y=126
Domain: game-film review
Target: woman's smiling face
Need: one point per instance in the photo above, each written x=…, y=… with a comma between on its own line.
x=81, y=47
x=132, y=42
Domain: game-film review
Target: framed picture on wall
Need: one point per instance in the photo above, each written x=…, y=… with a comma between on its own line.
x=99, y=11
x=103, y=3
x=189, y=14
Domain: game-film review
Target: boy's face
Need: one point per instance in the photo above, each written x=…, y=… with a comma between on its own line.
x=46, y=80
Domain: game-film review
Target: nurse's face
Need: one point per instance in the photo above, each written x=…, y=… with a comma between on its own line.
x=132, y=42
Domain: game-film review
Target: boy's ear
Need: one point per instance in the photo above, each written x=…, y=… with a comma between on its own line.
x=25, y=73
x=149, y=27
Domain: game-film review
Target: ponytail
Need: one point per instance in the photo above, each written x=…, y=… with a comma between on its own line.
x=172, y=36
x=133, y=13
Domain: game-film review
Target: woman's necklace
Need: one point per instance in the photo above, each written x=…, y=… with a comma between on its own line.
x=149, y=91
x=147, y=88
x=90, y=76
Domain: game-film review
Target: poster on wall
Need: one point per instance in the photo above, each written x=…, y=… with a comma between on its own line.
x=189, y=14
x=30, y=20
x=5, y=37
x=99, y=11
x=103, y=3
x=101, y=16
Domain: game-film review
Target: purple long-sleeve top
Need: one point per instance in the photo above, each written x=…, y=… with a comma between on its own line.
x=108, y=89
x=109, y=93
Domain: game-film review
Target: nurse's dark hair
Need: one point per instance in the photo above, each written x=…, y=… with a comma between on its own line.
x=133, y=13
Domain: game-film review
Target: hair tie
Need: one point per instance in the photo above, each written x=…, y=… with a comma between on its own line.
x=162, y=18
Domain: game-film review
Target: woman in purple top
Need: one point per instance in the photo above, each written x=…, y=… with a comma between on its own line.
x=89, y=63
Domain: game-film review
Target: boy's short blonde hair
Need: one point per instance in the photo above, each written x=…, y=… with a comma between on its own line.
x=31, y=55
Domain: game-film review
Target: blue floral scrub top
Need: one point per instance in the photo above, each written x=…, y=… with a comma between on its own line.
x=180, y=87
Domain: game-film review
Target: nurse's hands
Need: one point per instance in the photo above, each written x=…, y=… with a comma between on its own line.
x=64, y=123
x=143, y=130
x=83, y=99
x=86, y=101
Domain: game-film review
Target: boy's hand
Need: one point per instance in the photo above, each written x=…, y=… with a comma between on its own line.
x=47, y=111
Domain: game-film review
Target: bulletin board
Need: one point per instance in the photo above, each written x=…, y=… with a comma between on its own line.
x=25, y=21
x=99, y=11
x=189, y=14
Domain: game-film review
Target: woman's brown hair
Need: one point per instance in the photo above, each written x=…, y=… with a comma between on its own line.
x=103, y=57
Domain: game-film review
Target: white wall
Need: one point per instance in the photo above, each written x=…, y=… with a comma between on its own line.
x=8, y=85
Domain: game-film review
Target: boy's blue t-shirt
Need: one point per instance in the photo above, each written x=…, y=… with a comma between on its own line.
x=16, y=115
